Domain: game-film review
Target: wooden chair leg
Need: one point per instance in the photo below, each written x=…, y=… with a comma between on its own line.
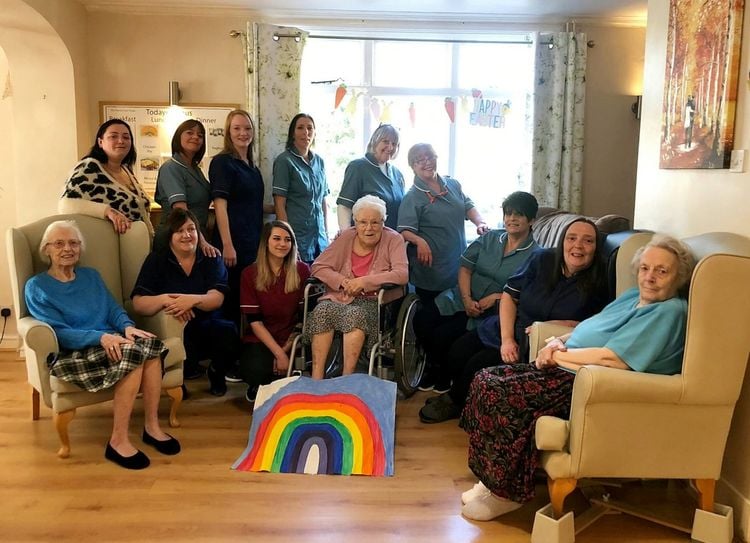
x=176, y=396
x=61, y=425
x=706, y=490
x=558, y=491
x=35, y=404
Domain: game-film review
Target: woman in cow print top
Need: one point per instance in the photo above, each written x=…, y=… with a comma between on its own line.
x=102, y=184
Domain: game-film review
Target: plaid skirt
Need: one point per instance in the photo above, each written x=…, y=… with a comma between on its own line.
x=362, y=313
x=92, y=370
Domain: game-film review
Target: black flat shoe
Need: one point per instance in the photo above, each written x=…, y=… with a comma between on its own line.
x=168, y=446
x=136, y=461
x=216, y=382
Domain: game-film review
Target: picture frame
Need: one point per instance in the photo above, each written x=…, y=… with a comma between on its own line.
x=153, y=125
x=701, y=82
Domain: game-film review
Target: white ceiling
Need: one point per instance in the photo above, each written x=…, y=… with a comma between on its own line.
x=610, y=12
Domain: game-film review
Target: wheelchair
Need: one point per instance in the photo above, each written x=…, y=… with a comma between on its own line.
x=396, y=354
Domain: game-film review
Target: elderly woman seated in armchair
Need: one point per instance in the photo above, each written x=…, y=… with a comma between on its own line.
x=99, y=345
x=360, y=261
x=642, y=330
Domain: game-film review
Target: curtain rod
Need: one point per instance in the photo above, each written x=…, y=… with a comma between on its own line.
x=589, y=43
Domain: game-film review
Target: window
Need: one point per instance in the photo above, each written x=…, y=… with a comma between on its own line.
x=471, y=101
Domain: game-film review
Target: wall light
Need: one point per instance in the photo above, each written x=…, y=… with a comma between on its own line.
x=174, y=93
x=636, y=107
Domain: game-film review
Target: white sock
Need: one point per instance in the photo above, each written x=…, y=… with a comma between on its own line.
x=474, y=492
x=488, y=506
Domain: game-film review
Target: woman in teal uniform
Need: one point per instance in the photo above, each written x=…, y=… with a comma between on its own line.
x=373, y=174
x=300, y=188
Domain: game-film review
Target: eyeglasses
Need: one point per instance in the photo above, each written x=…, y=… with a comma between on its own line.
x=425, y=159
x=61, y=243
x=365, y=224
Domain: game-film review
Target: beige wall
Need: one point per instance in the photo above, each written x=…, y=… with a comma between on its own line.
x=133, y=58
x=614, y=71
x=688, y=202
x=39, y=118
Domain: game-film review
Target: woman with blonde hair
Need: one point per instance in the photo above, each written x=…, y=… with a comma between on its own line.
x=237, y=190
x=271, y=295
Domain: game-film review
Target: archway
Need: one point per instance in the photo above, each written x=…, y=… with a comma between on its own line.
x=37, y=116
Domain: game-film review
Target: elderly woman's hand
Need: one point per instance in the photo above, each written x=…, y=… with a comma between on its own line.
x=120, y=222
x=111, y=343
x=353, y=287
x=545, y=356
x=509, y=351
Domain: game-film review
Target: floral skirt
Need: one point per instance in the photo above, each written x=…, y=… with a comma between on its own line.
x=500, y=415
x=362, y=313
x=92, y=370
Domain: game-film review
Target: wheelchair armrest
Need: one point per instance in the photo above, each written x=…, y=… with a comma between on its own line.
x=390, y=286
x=313, y=281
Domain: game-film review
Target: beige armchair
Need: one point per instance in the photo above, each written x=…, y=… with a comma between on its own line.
x=118, y=259
x=635, y=425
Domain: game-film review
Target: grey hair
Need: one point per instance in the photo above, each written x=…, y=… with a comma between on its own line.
x=685, y=260
x=68, y=225
x=384, y=131
x=417, y=149
x=369, y=201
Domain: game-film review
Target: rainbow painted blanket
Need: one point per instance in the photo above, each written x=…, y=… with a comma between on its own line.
x=340, y=426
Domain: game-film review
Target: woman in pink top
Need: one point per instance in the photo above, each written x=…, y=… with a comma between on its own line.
x=353, y=268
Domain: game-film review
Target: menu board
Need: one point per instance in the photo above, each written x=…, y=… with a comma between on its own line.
x=153, y=126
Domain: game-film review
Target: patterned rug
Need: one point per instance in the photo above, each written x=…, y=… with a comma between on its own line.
x=340, y=426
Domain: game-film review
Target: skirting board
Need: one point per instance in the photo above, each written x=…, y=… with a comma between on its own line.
x=728, y=494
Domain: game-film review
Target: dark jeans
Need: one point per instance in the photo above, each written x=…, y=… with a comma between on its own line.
x=256, y=364
x=212, y=338
x=437, y=334
x=466, y=357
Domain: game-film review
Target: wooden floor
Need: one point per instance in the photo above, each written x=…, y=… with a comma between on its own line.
x=196, y=497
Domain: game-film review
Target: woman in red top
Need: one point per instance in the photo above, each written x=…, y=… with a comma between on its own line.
x=271, y=294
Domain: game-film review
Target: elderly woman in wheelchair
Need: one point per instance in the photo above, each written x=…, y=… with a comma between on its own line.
x=360, y=261
x=99, y=345
x=642, y=330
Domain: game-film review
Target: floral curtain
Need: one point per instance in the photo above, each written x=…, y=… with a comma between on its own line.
x=274, y=90
x=559, y=97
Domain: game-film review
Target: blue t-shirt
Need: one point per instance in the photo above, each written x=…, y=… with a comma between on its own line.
x=80, y=311
x=180, y=182
x=161, y=274
x=439, y=220
x=649, y=338
x=304, y=186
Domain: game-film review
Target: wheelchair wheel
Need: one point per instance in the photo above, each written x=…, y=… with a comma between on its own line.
x=409, y=358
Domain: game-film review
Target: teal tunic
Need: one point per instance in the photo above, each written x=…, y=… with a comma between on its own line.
x=490, y=269
x=439, y=220
x=650, y=339
x=180, y=182
x=363, y=176
x=304, y=186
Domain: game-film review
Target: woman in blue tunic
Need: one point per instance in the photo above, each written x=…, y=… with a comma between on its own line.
x=566, y=285
x=300, y=189
x=431, y=218
x=642, y=330
x=181, y=182
x=237, y=189
x=373, y=174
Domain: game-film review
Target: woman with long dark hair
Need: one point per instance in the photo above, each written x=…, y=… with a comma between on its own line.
x=271, y=295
